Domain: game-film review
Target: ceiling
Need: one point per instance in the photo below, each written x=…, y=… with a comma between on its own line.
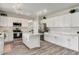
x=31, y=9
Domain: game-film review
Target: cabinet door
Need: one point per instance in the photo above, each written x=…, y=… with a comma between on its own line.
x=1, y=21
x=61, y=40
x=9, y=36
x=67, y=20
x=50, y=38
x=49, y=22
x=57, y=39
x=24, y=23
x=4, y=21
x=59, y=21
x=47, y=37
x=10, y=22
x=1, y=46
x=75, y=19
x=73, y=42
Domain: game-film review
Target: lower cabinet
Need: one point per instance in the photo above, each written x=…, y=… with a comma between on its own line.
x=62, y=40
x=67, y=41
x=8, y=36
x=1, y=44
x=73, y=43
x=50, y=38
x=1, y=47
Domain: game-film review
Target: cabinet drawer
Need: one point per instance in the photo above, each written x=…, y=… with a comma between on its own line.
x=62, y=40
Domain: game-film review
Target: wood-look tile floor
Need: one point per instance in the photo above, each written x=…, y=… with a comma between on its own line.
x=18, y=48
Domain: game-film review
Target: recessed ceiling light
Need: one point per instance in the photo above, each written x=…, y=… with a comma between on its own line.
x=45, y=10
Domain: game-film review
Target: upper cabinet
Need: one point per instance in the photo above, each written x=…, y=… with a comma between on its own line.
x=59, y=21
x=75, y=19
x=5, y=21
x=24, y=23
x=50, y=22
x=67, y=20
x=8, y=21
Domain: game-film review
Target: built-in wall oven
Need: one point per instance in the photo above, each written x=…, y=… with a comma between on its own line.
x=17, y=33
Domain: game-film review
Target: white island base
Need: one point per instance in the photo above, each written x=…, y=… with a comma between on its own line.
x=31, y=40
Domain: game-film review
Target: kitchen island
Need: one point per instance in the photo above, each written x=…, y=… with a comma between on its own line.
x=31, y=40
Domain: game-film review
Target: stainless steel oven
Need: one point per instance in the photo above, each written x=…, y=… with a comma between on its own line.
x=17, y=33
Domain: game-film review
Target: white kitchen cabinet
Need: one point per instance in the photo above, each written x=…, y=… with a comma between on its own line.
x=56, y=39
x=24, y=23
x=61, y=40
x=67, y=41
x=10, y=22
x=75, y=19
x=1, y=43
x=1, y=21
x=1, y=46
x=50, y=22
x=59, y=21
x=48, y=37
x=70, y=42
x=5, y=21
x=67, y=20
x=73, y=42
x=9, y=36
